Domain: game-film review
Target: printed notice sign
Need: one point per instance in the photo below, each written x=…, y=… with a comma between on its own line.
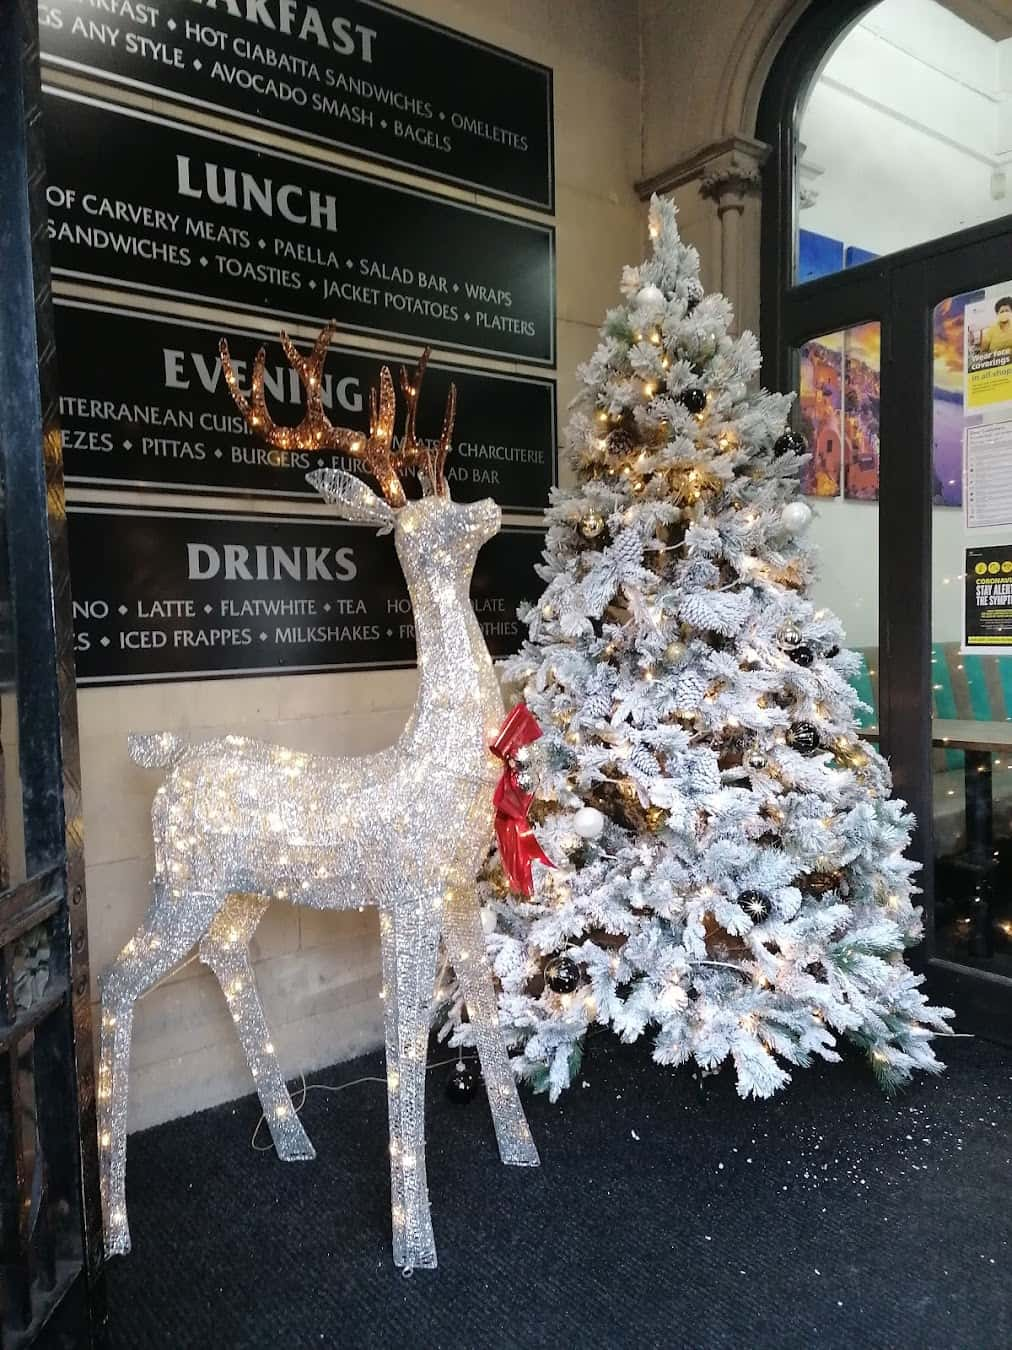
x=143, y=403
x=987, y=469
x=987, y=623
x=170, y=595
x=192, y=215
x=354, y=74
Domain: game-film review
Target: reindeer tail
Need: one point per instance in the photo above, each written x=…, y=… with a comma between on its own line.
x=156, y=750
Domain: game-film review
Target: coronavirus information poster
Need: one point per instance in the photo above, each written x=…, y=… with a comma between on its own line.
x=987, y=621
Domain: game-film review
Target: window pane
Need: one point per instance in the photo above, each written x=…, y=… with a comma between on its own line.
x=971, y=672
x=902, y=137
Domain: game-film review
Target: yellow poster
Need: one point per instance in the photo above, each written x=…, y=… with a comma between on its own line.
x=987, y=344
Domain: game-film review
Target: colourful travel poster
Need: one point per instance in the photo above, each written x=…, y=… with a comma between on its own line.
x=988, y=351
x=861, y=396
x=821, y=401
x=947, y=434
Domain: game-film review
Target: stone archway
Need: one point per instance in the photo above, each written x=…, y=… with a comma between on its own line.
x=708, y=157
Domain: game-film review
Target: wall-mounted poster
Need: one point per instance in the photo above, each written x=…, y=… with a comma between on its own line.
x=195, y=216
x=862, y=391
x=987, y=609
x=364, y=77
x=839, y=402
x=143, y=403
x=172, y=595
x=987, y=346
x=947, y=403
x=821, y=402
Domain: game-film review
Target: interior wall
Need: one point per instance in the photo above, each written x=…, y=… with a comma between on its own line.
x=318, y=972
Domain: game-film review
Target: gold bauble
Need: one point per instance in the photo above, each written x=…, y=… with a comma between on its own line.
x=591, y=525
x=656, y=818
x=674, y=651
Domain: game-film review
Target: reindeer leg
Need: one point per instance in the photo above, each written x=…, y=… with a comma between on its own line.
x=465, y=946
x=410, y=936
x=225, y=948
x=173, y=923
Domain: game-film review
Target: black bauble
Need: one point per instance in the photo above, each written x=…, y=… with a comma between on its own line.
x=756, y=905
x=803, y=737
x=802, y=655
x=562, y=975
x=694, y=399
x=462, y=1084
x=788, y=442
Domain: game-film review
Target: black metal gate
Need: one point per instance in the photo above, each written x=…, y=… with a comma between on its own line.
x=50, y=1230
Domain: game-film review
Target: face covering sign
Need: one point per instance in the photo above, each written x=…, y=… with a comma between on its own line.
x=987, y=327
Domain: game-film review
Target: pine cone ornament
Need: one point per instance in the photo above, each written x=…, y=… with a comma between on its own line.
x=620, y=442
x=644, y=763
x=627, y=550
x=690, y=691
x=596, y=708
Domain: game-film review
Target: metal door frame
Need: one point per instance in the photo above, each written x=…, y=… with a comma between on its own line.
x=50, y=1240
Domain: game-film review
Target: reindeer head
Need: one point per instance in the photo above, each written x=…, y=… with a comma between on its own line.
x=433, y=525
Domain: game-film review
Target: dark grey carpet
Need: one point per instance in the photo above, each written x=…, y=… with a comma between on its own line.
x=829, y=1217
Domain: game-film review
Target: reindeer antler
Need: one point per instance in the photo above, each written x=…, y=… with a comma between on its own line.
x=316, y=432
x=413, y=452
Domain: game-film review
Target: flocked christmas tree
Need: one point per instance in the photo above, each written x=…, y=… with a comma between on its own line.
x=730, y=873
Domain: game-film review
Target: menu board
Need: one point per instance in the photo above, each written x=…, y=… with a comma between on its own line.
x=356, y=75
x=143, y=403
x=164, y=595
x=139, y=202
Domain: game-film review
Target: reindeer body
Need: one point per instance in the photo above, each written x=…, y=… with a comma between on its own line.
x=238, y=824
x=254, y=817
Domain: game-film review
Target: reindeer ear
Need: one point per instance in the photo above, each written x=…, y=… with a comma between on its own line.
x=353, y=498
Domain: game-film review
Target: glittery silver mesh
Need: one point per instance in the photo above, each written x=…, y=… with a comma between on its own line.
x=239, y=823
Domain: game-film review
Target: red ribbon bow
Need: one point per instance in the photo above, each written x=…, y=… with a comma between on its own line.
x=518, y=848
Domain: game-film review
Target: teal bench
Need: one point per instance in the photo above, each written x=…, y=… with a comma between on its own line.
x=968, y=687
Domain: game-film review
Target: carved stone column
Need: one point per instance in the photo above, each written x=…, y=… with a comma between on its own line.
x=729, y=184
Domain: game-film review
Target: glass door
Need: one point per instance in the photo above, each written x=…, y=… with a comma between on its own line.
x=948, y=600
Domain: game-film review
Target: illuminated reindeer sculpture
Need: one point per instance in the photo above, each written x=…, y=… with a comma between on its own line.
x=238, y=823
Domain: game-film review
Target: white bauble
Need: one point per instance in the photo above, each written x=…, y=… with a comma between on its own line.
x=795, y=517
x=588, y=822
x=650, y=295
x=489, y=919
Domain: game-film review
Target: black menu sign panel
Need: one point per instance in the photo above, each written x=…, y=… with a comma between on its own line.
x=354, y=74
x=178, y=212
x=143, y=403
x=166, y=595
